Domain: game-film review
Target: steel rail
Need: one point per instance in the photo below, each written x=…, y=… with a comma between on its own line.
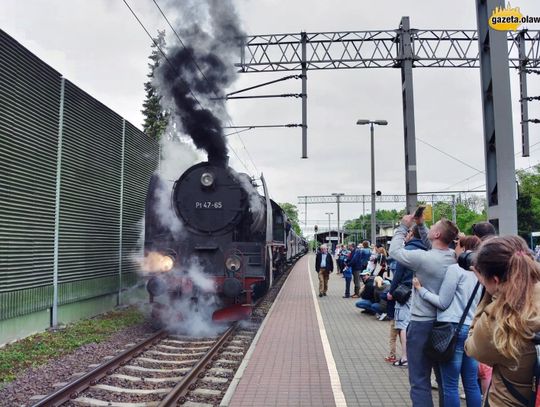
x=71, y=390
x=183, y=386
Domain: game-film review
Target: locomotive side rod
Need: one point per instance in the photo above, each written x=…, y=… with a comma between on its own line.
x=71, y=390
x=183, y=386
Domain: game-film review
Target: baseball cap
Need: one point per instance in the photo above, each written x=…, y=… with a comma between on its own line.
x=365, y=273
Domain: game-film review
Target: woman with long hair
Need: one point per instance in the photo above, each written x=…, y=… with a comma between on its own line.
x=507, y=318
x=380, y=262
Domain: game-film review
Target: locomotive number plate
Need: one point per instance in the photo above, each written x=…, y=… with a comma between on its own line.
x=208, y=205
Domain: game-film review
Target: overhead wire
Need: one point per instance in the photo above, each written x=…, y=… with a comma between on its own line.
x=519, y=169
x=174, y=67
x=448, y=155
x=205, y=78
x=481, y=172
x=160, y=50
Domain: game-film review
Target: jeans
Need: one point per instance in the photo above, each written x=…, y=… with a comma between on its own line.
x=451, y=370
x=419, y=365
x=348, y=286
x=372, y=307
x=390, y=309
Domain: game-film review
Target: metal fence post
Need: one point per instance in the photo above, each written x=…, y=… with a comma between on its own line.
x=304, y=94
x=54, y=317
x=121, y=229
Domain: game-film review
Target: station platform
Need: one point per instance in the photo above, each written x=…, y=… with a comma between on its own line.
x=314, y=351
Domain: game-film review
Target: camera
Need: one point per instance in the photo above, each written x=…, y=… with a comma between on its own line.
x=466, y=259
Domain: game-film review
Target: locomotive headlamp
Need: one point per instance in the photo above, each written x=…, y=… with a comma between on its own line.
x=156, y=262
x=167, y=263
x=233, y=263
x=207, y=179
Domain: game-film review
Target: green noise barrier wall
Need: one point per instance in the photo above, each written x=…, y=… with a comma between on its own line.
x=63, y=152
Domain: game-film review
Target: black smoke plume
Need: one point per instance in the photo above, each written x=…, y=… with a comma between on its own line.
x=198, y=71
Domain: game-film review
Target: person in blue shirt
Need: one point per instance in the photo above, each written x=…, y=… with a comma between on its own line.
x=347, y=274
x=358, y=263
x=402, y=310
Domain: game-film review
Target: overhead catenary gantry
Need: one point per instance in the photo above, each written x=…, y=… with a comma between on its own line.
x=366, y=199
x=408, y=48
x=449, y=198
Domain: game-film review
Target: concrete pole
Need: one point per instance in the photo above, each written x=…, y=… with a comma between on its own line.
x=339, y=230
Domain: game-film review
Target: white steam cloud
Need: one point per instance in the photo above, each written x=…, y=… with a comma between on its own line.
x=187, y=316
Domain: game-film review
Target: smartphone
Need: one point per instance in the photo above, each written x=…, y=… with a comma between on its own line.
x=419, y=211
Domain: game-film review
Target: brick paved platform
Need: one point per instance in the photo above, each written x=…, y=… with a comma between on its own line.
x=288, y=366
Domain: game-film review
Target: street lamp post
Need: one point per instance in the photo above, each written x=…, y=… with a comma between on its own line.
x=329, y=241
x=338, y=195
x=372, y=124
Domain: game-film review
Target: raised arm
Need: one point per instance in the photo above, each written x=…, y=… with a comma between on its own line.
x=446, y=292
x=408, y=258
x=398, y=276
x=423, y=230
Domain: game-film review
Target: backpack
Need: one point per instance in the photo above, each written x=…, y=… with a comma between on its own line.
x=534, y=400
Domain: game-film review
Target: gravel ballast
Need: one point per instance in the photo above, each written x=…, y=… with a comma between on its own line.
x=41, y=381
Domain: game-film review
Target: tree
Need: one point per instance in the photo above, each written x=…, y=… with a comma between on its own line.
x=384, y=218
x=466, y=213
x=292, y=213
x=528, y=204
x=156, y=119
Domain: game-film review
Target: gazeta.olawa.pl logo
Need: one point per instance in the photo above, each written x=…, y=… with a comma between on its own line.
x=509, y=19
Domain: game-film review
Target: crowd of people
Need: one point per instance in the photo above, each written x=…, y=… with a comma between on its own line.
x=481, y=292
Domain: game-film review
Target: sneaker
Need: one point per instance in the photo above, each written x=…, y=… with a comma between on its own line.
x=382, y=316
x=324, y=294
x=320, y=294
x=390, y=359
x=346, y=296
x=355, y=296
x=401, y=363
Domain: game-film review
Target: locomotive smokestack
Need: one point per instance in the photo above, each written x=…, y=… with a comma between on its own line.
x=197, y=71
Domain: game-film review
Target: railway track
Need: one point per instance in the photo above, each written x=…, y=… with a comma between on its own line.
x=166, y=370
x=163, y=370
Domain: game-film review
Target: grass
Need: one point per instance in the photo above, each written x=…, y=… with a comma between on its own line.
x=36, y=350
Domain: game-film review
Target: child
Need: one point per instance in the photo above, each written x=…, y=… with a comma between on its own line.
x=347, y=274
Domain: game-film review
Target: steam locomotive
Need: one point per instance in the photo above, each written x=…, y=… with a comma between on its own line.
x=220, y=228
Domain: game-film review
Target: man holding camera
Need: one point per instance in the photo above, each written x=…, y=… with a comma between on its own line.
x=430, y=267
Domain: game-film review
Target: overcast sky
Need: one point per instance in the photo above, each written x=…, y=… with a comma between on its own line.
x=99, y=46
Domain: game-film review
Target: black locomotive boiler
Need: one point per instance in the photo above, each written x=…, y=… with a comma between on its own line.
x=223, y=227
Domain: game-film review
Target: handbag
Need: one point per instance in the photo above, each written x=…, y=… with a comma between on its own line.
x=402, y=293
x=441, y=344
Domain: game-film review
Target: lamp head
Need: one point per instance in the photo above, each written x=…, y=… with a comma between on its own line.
x=362, y=121
x=380, y=122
